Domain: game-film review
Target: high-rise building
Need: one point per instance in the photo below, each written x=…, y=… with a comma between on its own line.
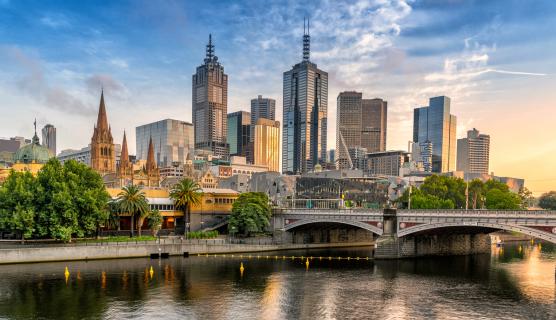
x=172, y=141
x=360, y=123
x=386, y=163
x=210, y=105
x=103, y=155
x=305, y=100
x=49, y=138
x=262, y=108
x=331, y=156
x=435, y=125
x=474, y=152
x=239, y=133
x=266, y=144
x=373, y=124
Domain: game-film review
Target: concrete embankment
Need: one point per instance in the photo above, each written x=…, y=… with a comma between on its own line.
x=21, y=254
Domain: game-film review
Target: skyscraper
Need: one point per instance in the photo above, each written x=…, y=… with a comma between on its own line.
x=49, y=138
x=210, y=105
x=435, y=125
x=474, y=152
x=267, y=144
x=360, y=123
x=239, y=133
x=305, y=114
x=103, y=156
x=262, y=108
x=172, y=141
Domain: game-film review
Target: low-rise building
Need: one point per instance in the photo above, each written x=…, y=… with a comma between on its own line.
x=386, y=163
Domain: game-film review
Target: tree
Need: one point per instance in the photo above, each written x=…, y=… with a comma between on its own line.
x=17, y=208
x=526, y=197
x=444, y=187
x=185, y=194
x=132, y=200
x=498, y=199
x=70, y=200
x=250, y=213
x=548, y=200
x=155, y=221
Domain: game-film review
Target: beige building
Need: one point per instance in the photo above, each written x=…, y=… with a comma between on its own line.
x=267, y=144
x=360, y=123
x=474, y=153
x=387, y=163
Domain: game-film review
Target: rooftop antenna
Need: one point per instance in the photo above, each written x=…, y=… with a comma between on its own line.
x=306, y=40
x=210, y=51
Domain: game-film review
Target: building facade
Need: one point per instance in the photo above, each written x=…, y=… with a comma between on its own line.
x=103, y=154
x=262, y=108
x=239, y=133
x=172, y=141
x=474, y=153
x=436, y=127
x=305, y=98
x=266, y=144
x=49, y=138
x=387, y=163
x=360, y=123
x=210, y=105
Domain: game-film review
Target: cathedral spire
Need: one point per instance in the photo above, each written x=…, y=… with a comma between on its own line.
x=151, y=164
x=306, y=40
x=102, y=120
x=124, y=157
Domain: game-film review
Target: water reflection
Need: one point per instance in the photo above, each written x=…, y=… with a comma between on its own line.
x=515, y=281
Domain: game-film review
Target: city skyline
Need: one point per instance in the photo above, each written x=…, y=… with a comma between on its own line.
x=471, y=62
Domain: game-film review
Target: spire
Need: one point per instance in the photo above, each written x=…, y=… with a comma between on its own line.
x=150, y=156
x=124, y=157
x=35, y=137
x=211, y=57
x=306, y=40
x=102, y=120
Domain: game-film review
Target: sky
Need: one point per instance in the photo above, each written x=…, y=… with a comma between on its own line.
x=495, y=59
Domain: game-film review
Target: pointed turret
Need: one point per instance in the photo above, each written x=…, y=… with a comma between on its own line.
x=124, y=157
x=151, y=164
x=102, y=119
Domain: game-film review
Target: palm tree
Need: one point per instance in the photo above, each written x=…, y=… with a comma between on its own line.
x=132, y=199
x=186, y=193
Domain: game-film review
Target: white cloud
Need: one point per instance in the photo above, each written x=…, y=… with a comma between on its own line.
x=121, y=63
x=55, y=20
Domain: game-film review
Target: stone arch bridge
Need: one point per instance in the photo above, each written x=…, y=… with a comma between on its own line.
x=407, y=233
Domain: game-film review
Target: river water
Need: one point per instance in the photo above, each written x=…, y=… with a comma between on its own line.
x=514, y=282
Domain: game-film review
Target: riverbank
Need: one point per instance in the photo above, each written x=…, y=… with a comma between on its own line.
x=21, y=254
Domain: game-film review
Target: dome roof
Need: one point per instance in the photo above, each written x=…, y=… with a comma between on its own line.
x=33, y=153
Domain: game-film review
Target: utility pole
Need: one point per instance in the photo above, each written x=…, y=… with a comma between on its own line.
x=467, y=195
x=409, y=198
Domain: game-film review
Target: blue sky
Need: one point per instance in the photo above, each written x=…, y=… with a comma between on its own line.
x=495, y=59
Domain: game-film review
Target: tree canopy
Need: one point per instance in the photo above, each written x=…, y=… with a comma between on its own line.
x=61, y=202
x=548, y=200
x=443, y=192
x=250, y=214
x=186, y=193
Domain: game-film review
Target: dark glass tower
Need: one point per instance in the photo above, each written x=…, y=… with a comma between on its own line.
x=305, y=100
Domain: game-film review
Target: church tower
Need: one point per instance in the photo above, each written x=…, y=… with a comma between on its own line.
x=151, y=169
x=103, y=157
x=125, y=169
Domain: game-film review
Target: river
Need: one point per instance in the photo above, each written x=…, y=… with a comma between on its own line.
x=513, y=282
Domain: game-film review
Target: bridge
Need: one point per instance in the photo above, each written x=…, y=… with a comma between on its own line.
x=407, y=233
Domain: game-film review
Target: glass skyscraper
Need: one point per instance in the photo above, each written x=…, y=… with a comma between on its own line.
x=435, y=125
x=172, y=141
x=239, y=133
x=49, y=138
x=210, y=105
x=305, y=114
x=262, y=108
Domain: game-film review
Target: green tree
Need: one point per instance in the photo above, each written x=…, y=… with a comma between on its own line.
x=17, y=207
x=526, y=197
x=155, y=221
x=548, y=200
x=70, y=200
x=132, y=200
x=446, y=188
x=185, y=194
x=250, y=213
x=498, y=199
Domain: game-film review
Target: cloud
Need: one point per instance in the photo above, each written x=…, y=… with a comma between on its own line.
x=35, y=85
x=119, y=63
x=55, y=20
x=110, y=85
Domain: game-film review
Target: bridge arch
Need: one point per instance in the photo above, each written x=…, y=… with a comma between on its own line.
x=362, y=225
x=521, y=229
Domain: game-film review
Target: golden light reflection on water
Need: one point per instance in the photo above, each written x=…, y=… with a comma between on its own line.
x=271, y=300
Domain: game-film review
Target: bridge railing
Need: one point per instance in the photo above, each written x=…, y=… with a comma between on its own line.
x=476, y=212
x=332, y=204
